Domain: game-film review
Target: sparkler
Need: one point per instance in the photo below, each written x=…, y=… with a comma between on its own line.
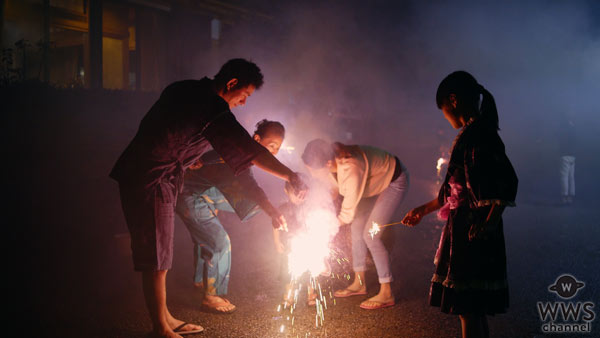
x=440, y=163
x=309, y=250
x=375, y=228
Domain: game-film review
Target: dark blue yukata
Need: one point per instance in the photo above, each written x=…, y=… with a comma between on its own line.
x=470, y=275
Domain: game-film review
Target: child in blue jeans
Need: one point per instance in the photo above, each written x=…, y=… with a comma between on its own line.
x=210, y=187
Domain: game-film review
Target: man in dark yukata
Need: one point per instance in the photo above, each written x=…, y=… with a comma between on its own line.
x=189, y=117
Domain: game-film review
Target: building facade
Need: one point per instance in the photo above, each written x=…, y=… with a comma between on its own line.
x=122, y=45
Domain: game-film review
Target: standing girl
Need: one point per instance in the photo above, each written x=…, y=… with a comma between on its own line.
x=470, y=276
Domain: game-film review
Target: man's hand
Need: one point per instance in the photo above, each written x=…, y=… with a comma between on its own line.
x=300, y=188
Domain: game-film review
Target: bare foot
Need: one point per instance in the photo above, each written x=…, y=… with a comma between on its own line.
x=175, y=328
x=378, y=302
x=166, y=334
x=381, y=298
x=218, y=304
x=311, y=299
x=351, y=290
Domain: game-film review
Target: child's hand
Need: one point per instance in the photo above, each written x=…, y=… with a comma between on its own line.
x=480, y=231
x=279, y=223
x=486, y=229
x=278, y=245
x=277, y=219
x=413, y=217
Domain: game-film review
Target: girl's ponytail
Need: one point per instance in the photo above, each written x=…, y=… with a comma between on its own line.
x=489, y=112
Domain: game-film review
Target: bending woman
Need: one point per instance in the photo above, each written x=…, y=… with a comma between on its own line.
x=470, y=275
x=373, y=183
x=211, y=186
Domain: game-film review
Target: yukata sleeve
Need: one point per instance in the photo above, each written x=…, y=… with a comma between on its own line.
x=350, y=187
x=442, y=194
x=232, y=142
x=491, y=178
x=254, y=191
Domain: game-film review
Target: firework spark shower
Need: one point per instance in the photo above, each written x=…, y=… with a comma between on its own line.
x=310, y=247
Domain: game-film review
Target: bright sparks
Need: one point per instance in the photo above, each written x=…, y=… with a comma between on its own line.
x=374, y=230
x=310, y=248
x=440, y=163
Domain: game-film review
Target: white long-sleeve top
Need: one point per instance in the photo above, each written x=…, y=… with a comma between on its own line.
x=367, y=172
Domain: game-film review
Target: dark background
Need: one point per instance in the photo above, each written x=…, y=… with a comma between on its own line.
x=348, y=71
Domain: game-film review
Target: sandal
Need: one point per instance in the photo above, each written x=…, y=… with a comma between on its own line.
x=179, y=330
x=348, y=293
x=215, y=306
x=374, y=305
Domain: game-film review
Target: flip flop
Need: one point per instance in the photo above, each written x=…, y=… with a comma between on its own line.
x=348, y=293
x=378, y=305
x=179, y=330
x=213, y=307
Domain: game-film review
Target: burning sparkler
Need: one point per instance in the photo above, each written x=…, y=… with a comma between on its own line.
x=375, y=228
x=310, y=248
x=440, y=162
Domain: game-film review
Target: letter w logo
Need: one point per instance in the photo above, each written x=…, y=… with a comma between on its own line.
x=566, y=286
x=547, y=309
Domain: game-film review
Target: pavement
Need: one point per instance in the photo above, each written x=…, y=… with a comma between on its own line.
x=83, y=284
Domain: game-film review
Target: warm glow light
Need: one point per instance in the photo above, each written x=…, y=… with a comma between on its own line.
x=290, y=149
x=310, y=247
x=440, y=162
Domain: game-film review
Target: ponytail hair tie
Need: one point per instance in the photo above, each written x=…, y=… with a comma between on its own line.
x=481, y=89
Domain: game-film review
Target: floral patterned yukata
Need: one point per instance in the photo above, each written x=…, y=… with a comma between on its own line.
x=470, y=275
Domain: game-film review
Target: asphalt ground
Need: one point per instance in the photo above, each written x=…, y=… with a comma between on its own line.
x=83, y=285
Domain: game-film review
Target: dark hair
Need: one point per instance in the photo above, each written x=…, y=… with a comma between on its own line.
x=467, y=91
x=265, y=127
x=317, y=153
x=246, y=72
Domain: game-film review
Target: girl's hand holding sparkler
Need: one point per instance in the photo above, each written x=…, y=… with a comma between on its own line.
x=415, y=216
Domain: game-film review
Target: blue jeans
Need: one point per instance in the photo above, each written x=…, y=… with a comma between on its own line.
x=381, y=211
x=212, y=247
